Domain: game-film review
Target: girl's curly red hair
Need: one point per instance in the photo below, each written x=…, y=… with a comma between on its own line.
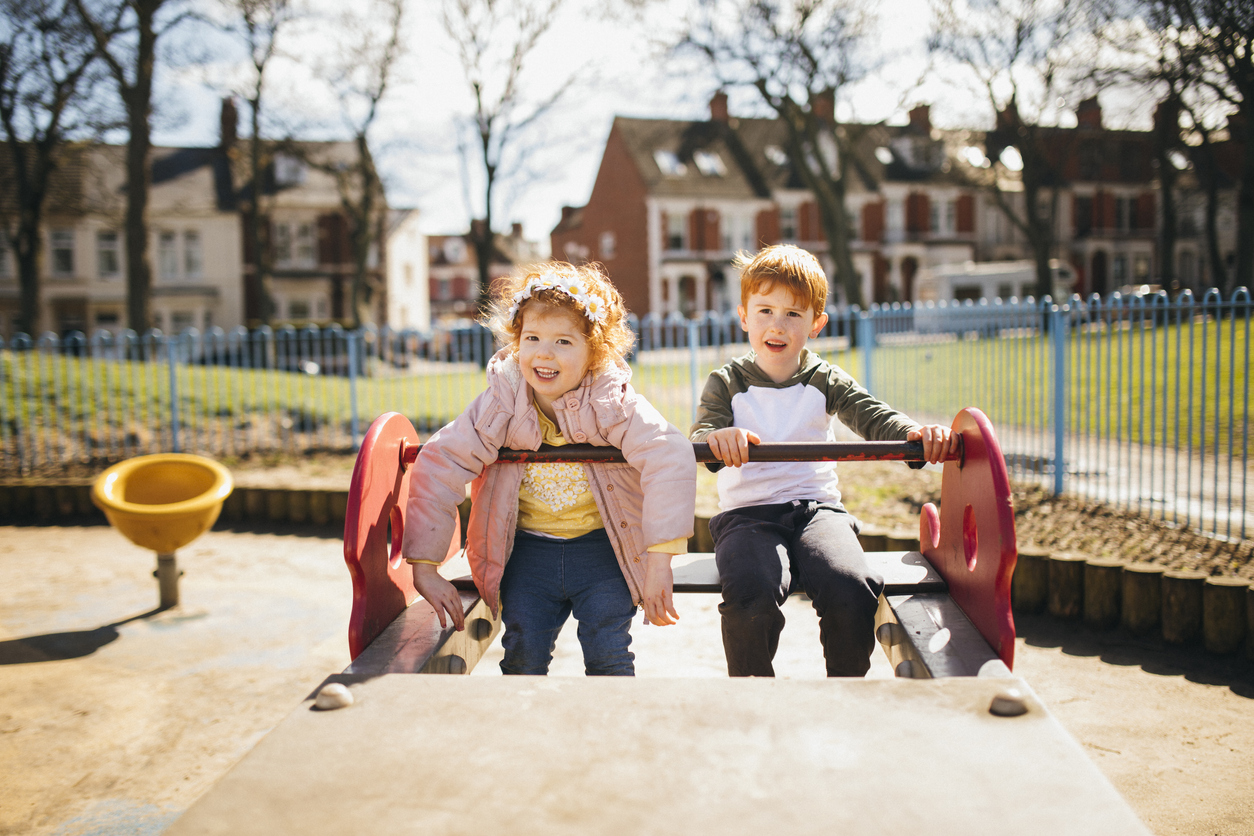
x=609, y=338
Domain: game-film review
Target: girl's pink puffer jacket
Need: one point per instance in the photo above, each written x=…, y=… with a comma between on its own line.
x=649, y=500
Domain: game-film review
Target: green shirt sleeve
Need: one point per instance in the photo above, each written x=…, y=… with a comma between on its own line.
x=861, y=412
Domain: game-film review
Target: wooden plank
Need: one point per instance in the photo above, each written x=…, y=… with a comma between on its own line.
x=607, y=755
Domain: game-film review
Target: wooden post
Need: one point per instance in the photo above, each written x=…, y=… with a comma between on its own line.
x=1103, y=587
x=1066, y=585
x=1142, y=600
x=1223, y=614
x=1182, y=606
x=298, y=506
x=1029, y=588
x=319, y=508
x=1249, y=622
x=254, y=504
x=337, y=501
x=703, y=541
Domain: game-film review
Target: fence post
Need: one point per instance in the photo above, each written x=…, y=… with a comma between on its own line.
x=1059, y=329
x=172, y=360
x=694, y=336
x=352, y=386
x=866, y=341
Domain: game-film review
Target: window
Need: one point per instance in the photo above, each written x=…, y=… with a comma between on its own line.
x=168, y=255
x=951, y=216
x=675, y=232
x=108, y=255
x=294, y=244
x=895, y=219
x=934, y=215
x=62, y=252
x=788, y=223
x=1123, y=214
x=107, y=319
x=709, y=163
x=182, y=320
x=668, y=163
x=963, y=292
x=1188, y=267
x=1119, y=269
x=775, y=154
x=6, y=269
x=288, y=170
x=608, y=245
x=1083, y=216
x=1141, y=268
x=1005, y=291
x=193, y=258
x=324, y=309
x=443, y=289
x=298, y=309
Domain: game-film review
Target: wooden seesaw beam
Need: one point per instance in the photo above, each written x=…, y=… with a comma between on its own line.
x=945, y=610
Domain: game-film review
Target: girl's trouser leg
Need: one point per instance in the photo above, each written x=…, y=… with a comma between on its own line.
x=533, y=606
x=601, y=603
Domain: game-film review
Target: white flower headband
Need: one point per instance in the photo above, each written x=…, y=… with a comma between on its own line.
x=593, y=306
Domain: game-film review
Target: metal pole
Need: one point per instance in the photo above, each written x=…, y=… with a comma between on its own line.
x=171, y=354
x=352, y=386
x=167, y=575
x=866, y=339
x=1060, y=395
x=694, y=334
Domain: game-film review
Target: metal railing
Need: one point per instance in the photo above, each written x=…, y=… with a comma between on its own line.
x=1139, y=401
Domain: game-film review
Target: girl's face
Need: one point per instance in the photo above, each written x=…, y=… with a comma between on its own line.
x=553, y=352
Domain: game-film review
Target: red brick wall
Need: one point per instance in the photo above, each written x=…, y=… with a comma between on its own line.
x=617, y=204
x=1145, y=211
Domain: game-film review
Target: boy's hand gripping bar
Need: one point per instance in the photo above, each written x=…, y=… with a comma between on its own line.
x=778, y=451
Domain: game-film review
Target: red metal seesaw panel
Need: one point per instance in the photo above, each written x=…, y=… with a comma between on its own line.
x=383, y=583
x=971, y=542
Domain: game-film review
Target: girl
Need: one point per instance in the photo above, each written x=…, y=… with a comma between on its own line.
x=546, y=541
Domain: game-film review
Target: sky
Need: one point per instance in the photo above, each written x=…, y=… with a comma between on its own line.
x=619, y=70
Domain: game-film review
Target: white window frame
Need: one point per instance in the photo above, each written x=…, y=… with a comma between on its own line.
x=61, y=240
x=168, y=255
x=104, y=251
x=193, y=254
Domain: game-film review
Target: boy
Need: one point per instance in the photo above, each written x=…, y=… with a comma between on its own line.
x=782, y=527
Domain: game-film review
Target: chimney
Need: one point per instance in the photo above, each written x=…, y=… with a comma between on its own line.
x=718, y=107
x=515, y=231
x=921, y=119
x=567, y=211
x=823, y=106
x=1089, y=113
x=227, y=123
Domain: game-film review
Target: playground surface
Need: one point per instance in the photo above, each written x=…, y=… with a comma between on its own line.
x=115, y=718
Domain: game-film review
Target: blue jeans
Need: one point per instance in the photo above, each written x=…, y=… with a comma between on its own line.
x=546, y=581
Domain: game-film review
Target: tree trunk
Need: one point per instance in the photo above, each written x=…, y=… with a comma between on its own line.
x=138, y=100
x=259, y=298
x=27, y=257
x=1243, y=275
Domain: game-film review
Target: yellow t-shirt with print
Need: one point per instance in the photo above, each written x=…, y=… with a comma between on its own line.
x=555, y=497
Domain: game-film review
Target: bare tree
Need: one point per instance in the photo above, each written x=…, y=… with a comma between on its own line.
x=48, y=72
x=1217, y=40
x=494, y=40
x=258, y=24
x=800, y=56
x=126, y=34
x=360, y=75
x=1019, y=53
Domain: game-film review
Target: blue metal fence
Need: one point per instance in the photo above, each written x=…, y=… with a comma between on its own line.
x=1140, y=401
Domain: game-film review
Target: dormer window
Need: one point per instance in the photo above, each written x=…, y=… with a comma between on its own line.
x=288, y=170
x=775, y=154
x=709, y=163
x=668, y=163
x=884, y=155
x=454, y=250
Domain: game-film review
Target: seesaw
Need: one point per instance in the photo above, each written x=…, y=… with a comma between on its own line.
x=957, y=744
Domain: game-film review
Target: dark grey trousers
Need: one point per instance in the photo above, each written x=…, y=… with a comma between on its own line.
x=764, y=552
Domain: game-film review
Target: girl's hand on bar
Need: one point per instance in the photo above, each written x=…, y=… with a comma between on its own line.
x=440, y=594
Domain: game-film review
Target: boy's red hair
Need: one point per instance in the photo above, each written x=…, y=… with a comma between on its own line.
x=793, y=267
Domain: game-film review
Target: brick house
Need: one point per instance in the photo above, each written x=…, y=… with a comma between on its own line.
x=453, y=271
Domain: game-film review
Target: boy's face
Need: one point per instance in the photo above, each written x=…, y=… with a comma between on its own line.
x=779, y=325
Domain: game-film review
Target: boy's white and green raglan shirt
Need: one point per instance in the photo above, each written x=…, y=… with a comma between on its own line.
x=800, y=409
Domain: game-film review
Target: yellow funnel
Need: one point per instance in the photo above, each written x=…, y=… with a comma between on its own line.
x=163, y=502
